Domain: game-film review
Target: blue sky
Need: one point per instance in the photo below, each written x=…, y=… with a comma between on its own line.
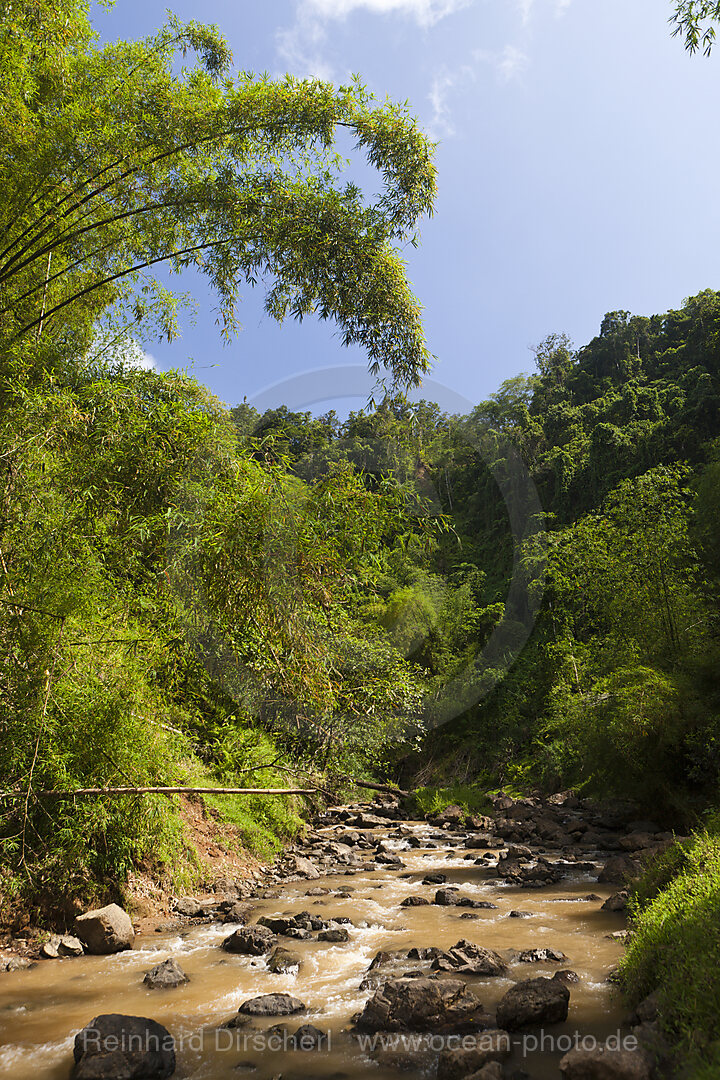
x=578, y=171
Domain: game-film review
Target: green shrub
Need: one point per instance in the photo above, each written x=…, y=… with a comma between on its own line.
x=675, y=948
x=433, y=800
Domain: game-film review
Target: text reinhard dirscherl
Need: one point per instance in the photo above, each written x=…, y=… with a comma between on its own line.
x=278, y=1041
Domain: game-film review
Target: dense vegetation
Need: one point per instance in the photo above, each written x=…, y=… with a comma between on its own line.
x=172, y=608
x=191, y=591
x=525, y=596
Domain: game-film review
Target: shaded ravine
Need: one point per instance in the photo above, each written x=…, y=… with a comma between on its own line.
x=42, y=1008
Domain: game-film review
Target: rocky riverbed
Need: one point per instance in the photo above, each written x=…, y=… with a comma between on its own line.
x=461, y=946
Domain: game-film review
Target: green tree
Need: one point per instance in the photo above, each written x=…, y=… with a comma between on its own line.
x=122, y=158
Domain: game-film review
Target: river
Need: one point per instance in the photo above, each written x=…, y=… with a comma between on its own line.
x=43, y=1007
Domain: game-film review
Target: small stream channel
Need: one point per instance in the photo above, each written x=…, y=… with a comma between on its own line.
x=43, y=1007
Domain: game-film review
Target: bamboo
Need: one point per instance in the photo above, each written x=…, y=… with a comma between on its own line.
x=161, y=791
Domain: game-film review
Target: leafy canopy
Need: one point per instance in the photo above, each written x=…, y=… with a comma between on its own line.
x=120, y=158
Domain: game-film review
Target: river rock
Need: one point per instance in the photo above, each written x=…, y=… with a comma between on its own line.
x=272, y=1005
x=307, y=1037
x=68, y=945
x=602, y=1064
x=389, y=860
x=165, y=976
x=281, y=961
x=492, y=1071
x=434, y=879
x=334, y=936
x=617, y=902
x=490, y=1046
x=415, y=901
x=620, y=869
x=49, y=949
x=112, y=1047
x=535, y=1001
x=472, y=959
x=447, y=897
x=451, y=815
x=15, y=963
x=105, y=930
x=477, y=842
x=406, y=1061
x=302, y=867
x=369, y=821
x=423, y=1004
x=59, y=946
x=239, y=912
x=567, y=976
x=540, y=956
x=187, y=906
x=250, y=941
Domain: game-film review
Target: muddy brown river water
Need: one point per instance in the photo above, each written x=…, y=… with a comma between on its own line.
x=42, y=1008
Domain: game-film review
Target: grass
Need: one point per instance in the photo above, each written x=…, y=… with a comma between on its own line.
x=675, y=948
x=265, y=822
x=432, y=800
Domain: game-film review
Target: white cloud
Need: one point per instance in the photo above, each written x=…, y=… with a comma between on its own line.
x=526, y=7
x=510, y=63
x=302, y=47
x=440, y=123
x=424, y=12
x=133, y=354
x=561, y=7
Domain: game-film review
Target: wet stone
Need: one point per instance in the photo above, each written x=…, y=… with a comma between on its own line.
x=272, y=1005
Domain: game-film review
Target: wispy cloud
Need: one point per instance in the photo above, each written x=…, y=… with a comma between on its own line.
x=526, y=7
x=441, y=124
x=424, y=12
x=302, y=47
x=508, y=64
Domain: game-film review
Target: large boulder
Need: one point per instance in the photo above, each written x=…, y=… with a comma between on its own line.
x=535, y=1001
x=188, y=907
x=250, y=941
x=115, y=1047
x=302, y=867
x=451, y=815
x=470, y=959
x=165, y=976
x=105, y=930
x=423, y=1004
x=602, y=1064
x=272, y=1005
x=619, y=870
x=617, y=902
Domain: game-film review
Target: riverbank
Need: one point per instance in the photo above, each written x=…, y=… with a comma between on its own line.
x=535, y=884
